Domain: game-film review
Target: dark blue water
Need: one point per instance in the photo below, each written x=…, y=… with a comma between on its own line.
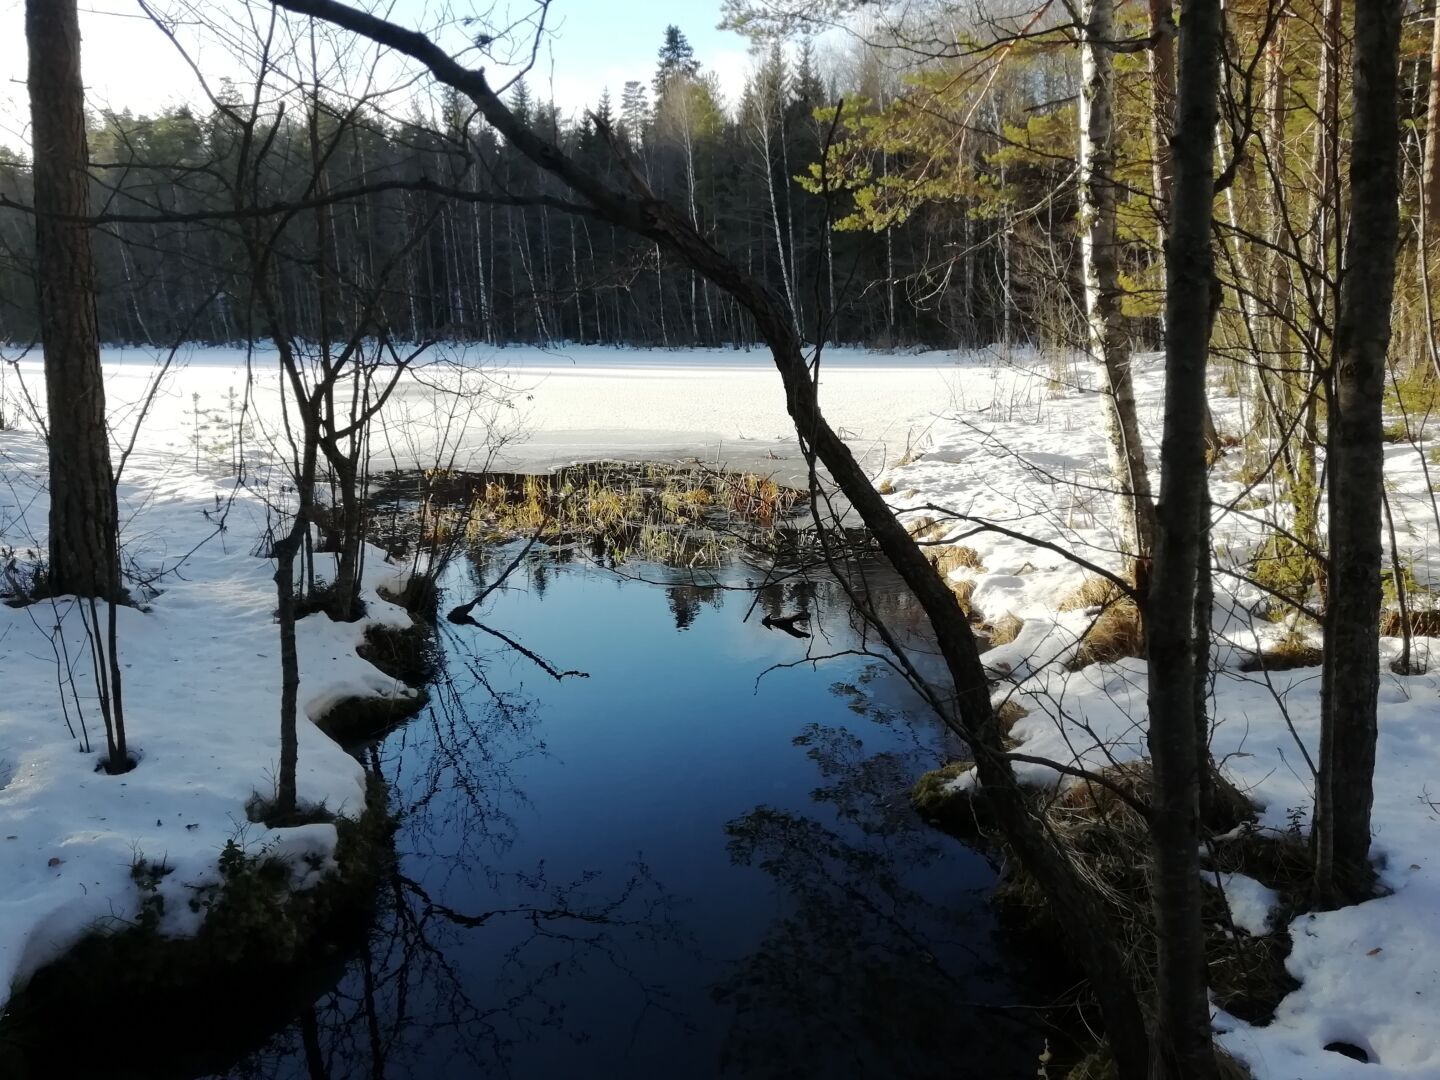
x=697, y=861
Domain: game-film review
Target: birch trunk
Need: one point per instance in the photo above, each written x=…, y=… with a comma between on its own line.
x=1134, y=507
x=1430, y=180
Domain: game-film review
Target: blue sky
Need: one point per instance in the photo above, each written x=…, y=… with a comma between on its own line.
x=593, y=44
x=601, y=43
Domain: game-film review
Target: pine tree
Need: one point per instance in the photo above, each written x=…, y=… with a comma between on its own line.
x=677, y=60
x=634, y=112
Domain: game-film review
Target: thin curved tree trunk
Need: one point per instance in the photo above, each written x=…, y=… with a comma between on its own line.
x=1134, y=506
x=1430, y=179
x=640, y=212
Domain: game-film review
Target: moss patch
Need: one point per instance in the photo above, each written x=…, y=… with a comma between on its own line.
x=961, y=812
x=260, y=944
x=356, y=720
x=409, y=655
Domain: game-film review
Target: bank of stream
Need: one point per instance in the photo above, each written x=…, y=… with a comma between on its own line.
x=694, y=855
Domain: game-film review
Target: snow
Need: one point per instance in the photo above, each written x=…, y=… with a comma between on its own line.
x=201, y=691
x=1010, y=441
x=1250, y=903
x=1021, y=451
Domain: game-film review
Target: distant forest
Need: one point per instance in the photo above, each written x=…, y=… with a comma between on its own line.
x=443, y=232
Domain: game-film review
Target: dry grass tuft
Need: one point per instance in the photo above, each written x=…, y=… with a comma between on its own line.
x=885, y=487
x=1423, y=623
x=964, y=590
x=1005, y=629
x=1093, y=592
x=1289, y=653
x=948, y=557
x=1010, y=713
x=1113, y=634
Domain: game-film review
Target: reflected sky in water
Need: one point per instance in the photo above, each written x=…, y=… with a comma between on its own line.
x=693, y=862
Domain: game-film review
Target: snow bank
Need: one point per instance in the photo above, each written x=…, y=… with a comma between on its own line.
x=201, y=692
x=1026, y=452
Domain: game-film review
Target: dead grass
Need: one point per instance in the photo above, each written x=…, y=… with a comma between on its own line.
x=964, y=589
x=1115, y=631
x=1113, y=634
x=1010, y=713
x=1423, y=623
x=926, y=528
x=1291, y=652
x=1005, y=629
x=1108, y=841
x=950, y=557
x=1093, y=592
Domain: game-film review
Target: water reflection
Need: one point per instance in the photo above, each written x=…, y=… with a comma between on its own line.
x=674, y=868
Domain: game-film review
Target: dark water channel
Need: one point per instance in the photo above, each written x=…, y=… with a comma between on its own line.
x=683, y=865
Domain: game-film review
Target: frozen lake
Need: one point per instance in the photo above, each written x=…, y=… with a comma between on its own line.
x=531, y=409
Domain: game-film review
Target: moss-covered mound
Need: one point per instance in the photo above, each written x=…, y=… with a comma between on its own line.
x=153, y=1006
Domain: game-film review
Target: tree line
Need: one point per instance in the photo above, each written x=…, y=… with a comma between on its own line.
x=454, y=218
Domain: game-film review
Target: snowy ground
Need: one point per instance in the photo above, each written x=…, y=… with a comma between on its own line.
x=201, y=692
x=1023, y=454
x=1017, y=445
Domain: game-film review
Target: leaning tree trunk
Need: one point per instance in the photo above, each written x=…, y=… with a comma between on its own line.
x=1355, y=462
x=1135, y=509
x=1182, y=1045
x=639, y=211
x=82, y=486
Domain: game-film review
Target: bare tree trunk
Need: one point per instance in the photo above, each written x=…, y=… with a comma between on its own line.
x=1430, y=178
x=1355, y=462
x=82, y=487
x=1135, y=509
x=1162, y=102
x=1182, y=1046
x=763, y=116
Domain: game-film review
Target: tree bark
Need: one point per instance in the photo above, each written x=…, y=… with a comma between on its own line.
x=1134, y=506
x=1351, y=673
x=1182, y=1046
x=82, y=487
x=1162, y=100
x=641, y=212
x=1430, y=179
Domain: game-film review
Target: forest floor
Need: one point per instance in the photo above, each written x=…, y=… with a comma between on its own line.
x=1015, y=443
